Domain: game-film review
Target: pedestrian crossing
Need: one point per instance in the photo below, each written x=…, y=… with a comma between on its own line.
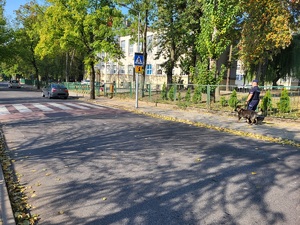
x=8, y=109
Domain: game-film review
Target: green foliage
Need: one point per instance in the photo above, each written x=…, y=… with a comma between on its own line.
x=188, y=95
x=223, y=101
x=233, y=100
x=164, y=93
x=266, y=104
x=218, y=27
x=284, y=105
x=268, y=40
x=204, y=76
x=171, y=93
x=197, y=97
x=179, y=96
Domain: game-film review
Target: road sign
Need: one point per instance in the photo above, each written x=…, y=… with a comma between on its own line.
x=138, y=59
x=138, y=69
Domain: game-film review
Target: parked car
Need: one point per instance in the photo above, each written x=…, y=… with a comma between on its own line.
x=244, y=88
x=85, y=82
x=55, y=90
x=14, y=84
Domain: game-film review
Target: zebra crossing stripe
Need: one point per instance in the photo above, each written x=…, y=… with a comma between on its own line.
x=4, y=110
x=42, y=107
x=91, y=106
x=61, y=106
x=21, y=108
x=76, y=106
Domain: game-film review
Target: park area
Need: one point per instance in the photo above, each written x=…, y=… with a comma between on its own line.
x=275, y=101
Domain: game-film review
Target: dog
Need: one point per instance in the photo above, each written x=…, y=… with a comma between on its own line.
x=250, y=115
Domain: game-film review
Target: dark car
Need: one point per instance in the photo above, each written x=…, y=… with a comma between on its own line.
x=55, y=91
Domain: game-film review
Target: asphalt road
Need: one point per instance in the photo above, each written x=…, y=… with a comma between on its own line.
x=108, y=166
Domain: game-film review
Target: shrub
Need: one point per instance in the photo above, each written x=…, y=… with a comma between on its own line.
x=171, y=93
x=223, y=101
x=197, y=97
x=188, y=95
x=266, y=104
x=233, y=100
x=163, y=93
x=284, y=104
x=179, y=96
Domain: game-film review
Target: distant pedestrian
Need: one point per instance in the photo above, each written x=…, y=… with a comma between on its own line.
x=253, y=97
x=102, y=85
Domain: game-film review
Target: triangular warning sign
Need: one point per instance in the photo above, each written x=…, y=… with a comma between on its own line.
x=138, y=61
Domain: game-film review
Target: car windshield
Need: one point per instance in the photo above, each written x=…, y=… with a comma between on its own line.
x=15, y=81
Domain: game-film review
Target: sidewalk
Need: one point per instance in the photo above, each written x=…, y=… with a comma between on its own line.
x=283, y=131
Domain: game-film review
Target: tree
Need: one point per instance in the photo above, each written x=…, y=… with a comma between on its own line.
x=218, y=30
x=146, y=8
x=266, y=29
x=6, y=42
x=26, y=37
x=171, y=31
x=89, y=26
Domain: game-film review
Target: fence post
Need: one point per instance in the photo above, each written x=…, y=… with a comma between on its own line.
x=208, y=96
x=130, y=89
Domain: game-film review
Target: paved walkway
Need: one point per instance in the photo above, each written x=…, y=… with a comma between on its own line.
x=274, y=130
x=271, y=129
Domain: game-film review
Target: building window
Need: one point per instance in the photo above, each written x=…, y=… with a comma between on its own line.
x=239, y=77
x=149, y=69
x=130, y=69
x=130, y=50
x=158, y=69
x=115, y=69
x=123, y=45
x=121, y=70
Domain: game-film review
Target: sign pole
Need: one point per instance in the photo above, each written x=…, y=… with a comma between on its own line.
x=136, y=90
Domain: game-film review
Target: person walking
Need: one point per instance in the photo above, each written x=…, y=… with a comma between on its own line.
x=253, y=97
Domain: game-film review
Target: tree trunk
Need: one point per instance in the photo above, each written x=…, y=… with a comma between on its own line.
x=92, y=81
x=34, y=63
x=67, y=69
x=229, y=69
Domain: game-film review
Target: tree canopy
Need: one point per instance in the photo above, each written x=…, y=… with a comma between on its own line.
x=53, y=37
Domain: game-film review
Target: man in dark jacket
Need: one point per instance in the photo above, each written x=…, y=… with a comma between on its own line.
x=253, y=97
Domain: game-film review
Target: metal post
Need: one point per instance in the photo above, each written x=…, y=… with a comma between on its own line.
x=137, y=74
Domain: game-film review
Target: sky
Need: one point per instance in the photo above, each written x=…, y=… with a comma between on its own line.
x=12, y=5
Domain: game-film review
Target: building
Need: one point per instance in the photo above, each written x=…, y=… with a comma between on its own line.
x=121, y=71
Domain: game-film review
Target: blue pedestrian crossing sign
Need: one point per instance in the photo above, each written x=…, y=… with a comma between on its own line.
x=138, y=59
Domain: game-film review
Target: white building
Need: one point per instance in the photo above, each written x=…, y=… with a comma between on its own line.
x=122, y=71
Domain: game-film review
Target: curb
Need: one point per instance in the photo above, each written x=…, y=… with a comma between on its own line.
x=6, y=212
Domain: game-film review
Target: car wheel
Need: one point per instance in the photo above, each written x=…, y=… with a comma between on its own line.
x=43, y=95
x=65, y=97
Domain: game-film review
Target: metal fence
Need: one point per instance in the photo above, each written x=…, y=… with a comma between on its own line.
x=198, y=96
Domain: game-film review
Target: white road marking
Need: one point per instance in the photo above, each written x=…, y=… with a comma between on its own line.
x=76, y=106
x=61, y=106
x=42, y=107
x=90, y=105
x=21, y=108
x=4, y=110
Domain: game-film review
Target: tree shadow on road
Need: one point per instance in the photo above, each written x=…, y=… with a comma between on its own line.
x=121, y=168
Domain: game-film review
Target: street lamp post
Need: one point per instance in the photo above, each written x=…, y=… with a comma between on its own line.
x=137, y=75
